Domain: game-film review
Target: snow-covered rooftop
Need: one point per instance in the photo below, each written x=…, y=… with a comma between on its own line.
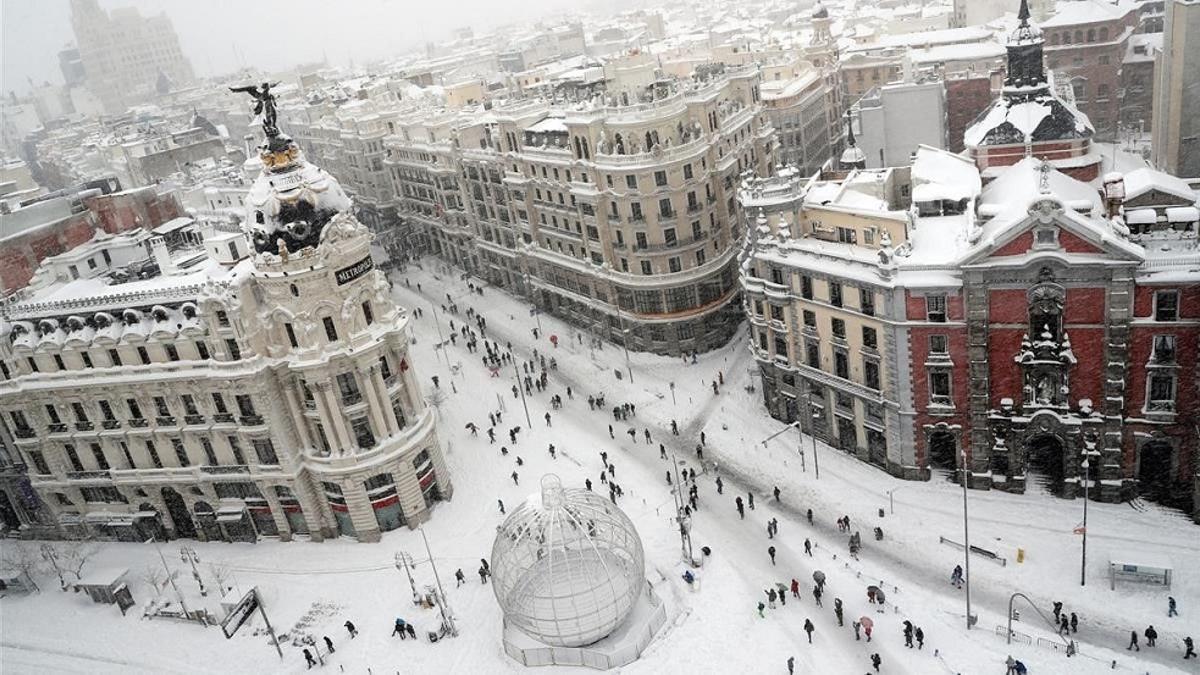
x=1087, y=11
x=1140, y=181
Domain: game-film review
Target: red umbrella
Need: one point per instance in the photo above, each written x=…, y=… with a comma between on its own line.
x=866, y=622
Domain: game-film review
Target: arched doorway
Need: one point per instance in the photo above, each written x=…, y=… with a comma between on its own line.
x=1044, y=463
x=1155, y=473
x=184, y=525
x=147, y=526
x=206, y=517
x=943, y=454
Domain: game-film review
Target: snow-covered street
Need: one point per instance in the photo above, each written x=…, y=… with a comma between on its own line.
x=314, y=588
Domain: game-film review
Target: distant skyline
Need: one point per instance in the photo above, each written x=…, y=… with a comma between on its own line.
x=219, y=36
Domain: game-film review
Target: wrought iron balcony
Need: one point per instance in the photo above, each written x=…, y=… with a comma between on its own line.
x=223, y=418
x=111, y=424
x=57, y=428
x=138, y=422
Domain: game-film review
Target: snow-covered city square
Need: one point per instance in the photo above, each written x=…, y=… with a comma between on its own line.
x=765, y=338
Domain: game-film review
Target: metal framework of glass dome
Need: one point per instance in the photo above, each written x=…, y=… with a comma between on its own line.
x=567, y=566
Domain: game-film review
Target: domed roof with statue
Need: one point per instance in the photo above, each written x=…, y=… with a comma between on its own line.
x=820, y=11
x=291, y=201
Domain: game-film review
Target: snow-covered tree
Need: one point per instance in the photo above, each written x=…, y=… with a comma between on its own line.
x=24, y=558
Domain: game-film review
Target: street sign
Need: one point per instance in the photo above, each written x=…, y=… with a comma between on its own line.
x=238, y=615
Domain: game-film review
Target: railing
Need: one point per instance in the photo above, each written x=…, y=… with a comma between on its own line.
x=89, y=475
x=57, y=428
x=223, y=418
x=234, y=468
x=165, y=420
x=138, y=422
x=84, y=426
x=24, y=432
x=252, y=420
x=111, y=424
x=193, y=419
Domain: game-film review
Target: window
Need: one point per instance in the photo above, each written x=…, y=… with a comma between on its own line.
x=1163, y=352
x=664, y=208
x=38, y=460
x=235, y=447
x=114, y=357
x=700, y=257
x=52, y=413
x=660, y=178
x=385, y=369
x=368, y=313
x=209, y=455
x=101, y=460
x=102, y=495
x=398, y=411
x=939, y=387
x=245, y=405
x=172, y=352
x=330, y=329
x=143, y=355
x=935, y=308
x=635, y=211
x=265, y=451
x=348, y=388
x=80, y=413
x=847, y=235
x=631, y=182
x=1162, y=392
x=646, y=267
x=219, y=403
x=135, y=411
x=938, y=344
x=87, y=359
x=180, y=452
x=153, y=452
x=1166, y=305
x=871, y=374
x=58, y=362
x=160, y=407
x=835, y=294
x=673, y=264
x=867, y=299
x=868, y=338
x=810, y=319
x=128, y=457
x=806, y=287
x=291, y=335
x=235, y=352
x=362, y=433
x=687, y=171
x=669, y=237
x=33, y=365
x=189, y=404
x=869, y=236
x=776, y=313
x=1046, y=236
x=106, y=410
x=841, y=364
x=812, y=354
x=839, y=327
x=73, y=457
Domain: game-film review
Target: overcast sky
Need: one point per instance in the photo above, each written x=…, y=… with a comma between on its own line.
x=270, y=34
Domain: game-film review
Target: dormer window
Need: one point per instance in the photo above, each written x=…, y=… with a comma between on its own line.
x=1045, y=237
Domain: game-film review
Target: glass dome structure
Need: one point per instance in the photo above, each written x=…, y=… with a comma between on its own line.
x=567, y=566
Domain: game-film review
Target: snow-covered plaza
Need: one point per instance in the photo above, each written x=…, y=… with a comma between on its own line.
x=712, y=626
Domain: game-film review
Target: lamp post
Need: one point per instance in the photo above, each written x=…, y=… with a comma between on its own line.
x=812, y=429
x=188, y=554
x=447, y=616
x=966, y=537
x=1087, y=479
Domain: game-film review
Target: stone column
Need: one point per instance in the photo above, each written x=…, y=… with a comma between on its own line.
x=296, y=410
x=374, y=406
x=314, y=507
x=366, y=527
x=281, y=521
x=375, y=381
x=337, y=421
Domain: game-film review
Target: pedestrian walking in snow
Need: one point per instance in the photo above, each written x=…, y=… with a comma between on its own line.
x=668, y=478
x=750, y=496
x=920, y=635
x=674, y=428
x=1171, y=607
x=770, y=531
x=771, y=552
x=1064, y=625
x=459, y=577
x=500, y=503
x=491, y=435
x=817, y=595
x=329, y=645
x=808, y=548
x=699, y=452
x=837, y=611
x=770, y=597
x=308, y=657
x=875, y=661
x=795, y=589
x=782, y=595
x=776, y=493
x=1133, y=643
x=551, y=449
x=399, y=628
x=547, y=419
x=520, y=462
x=483, y=575
x=515, y=477
x=908, y=634
x=646, y=433
x=857, y=626
x=587, y=482
x=867, y=628
x=791, y=664
x=632, y=435
x=1151, y=635
x=720, y=486
x=610, y=432
x=1057, y=610
x=761, y=607
x=412, y=632
x=810, y=516
x=1074, y=623
x=740, y=509
x=702, y=437
x=1189, y=648
x=351, y=629
x=808, y=628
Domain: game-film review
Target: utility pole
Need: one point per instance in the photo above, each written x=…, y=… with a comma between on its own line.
x=441, y=340
x=447, y=617
x=966, y=537
x=685, y=534
x=263, y=611
x=1087, y=479
x=402, y=561
x=812, y=429
x=521, y=389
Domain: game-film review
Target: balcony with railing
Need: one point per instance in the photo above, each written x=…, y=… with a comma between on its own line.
x=223, y=418
x=56, y=428
x=193, y=419
x=252, y=420
x=165, y=420
x=138, y=422
x=111, y=424
x=89, y=475
x=84, y=426
x=24, y=432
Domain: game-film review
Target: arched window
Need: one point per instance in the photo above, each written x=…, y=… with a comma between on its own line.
x=1091, y=35
x=1104, y=34
x=1078, y=36
x=1067, y=38
x=1054, y=39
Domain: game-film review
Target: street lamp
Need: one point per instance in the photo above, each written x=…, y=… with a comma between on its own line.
x=1087, y=479
x=814, y=415
x=966, y=537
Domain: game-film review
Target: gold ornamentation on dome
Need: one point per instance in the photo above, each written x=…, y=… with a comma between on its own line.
x=280, y=158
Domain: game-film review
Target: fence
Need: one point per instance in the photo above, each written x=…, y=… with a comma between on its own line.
x=990, y=555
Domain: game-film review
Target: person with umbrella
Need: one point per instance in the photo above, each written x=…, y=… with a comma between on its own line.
x=867, y=624
x=819, y=577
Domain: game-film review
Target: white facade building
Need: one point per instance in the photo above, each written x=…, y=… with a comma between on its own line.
x=893, y=120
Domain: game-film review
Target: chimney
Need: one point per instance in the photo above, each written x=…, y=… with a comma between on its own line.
x=158, y=249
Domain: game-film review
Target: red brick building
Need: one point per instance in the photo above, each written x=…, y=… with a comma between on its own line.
x=966, y=99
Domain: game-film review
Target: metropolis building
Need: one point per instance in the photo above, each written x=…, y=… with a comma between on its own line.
x=222, y=385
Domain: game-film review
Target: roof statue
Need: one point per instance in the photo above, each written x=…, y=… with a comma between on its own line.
x=853, y=156
x=264, y=106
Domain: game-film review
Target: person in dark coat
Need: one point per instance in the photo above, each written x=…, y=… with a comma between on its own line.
x=740, y=508
x=771, y=552
x=1074, y=623
x=1151, y=636
x=908, y=634
x=1189, y=648
x=791, y=664
x=808, y=547
x=809, y=628
x=309, y=658
x=351, y=629
x=329, y=645
x=1133, y=641
x=875, y=661
x=398, y=628
x=920, y=635
x=837, y=610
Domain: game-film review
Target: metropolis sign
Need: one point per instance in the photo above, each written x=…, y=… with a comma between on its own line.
x=348, y=274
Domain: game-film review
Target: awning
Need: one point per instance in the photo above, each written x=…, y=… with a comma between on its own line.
x=227, y=514
x=1182, y=214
